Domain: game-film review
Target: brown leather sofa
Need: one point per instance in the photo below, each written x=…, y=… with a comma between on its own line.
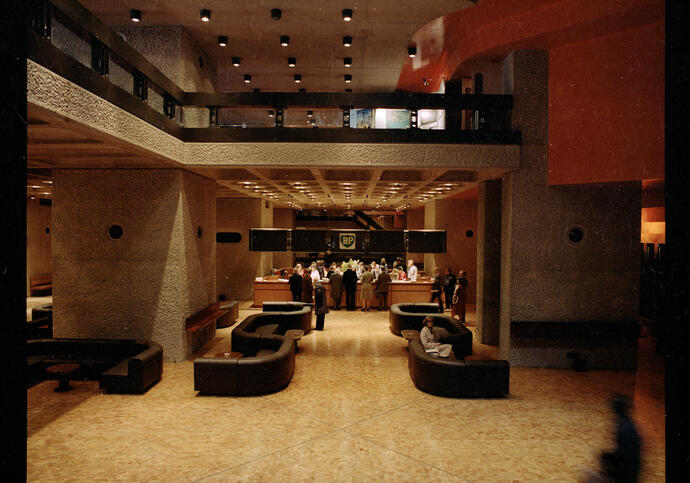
x=457, y=378
x=120, y=366
x=410, y=316
x=268, y=361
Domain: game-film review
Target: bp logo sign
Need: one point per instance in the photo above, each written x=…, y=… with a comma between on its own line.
x=347, y=241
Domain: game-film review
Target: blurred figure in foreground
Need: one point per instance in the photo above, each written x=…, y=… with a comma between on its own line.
x=623, y=463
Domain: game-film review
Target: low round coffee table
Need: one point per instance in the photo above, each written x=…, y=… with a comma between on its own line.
x=63, y=371
x=229, y=355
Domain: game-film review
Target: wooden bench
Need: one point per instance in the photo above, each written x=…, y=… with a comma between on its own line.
x=40, y=283
x=232, y=309
x=201, y=326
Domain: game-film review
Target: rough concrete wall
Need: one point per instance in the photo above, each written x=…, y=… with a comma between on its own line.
x=266, y=266
x=236, y=266
x=430, y=223
x=145, y=284
x=172, y=51
x=548, y=277
x=457, y=217
x=38, y=241
x=492, y=73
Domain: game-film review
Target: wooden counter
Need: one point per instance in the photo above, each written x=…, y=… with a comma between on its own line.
x=398, y=292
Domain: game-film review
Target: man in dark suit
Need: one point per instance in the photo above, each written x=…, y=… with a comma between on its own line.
x=382, y=289
x=295, y=282
x=320, y=304
x=335, y=280
x=350, y=284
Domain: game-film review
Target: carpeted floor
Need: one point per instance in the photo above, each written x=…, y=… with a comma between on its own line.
x=350, y=413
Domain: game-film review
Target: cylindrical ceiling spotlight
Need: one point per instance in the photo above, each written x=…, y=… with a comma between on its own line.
x=347, y=14
x=310, y=113
x=412, y=51
x=270, y=113
x=284, y=40
x=347, y=61
x=222, y=40
x=298, y=78
x=247, y=78
x=276, y=14
x=348, y=78
x=236, y=61
x=135, y=15
x=292, y=62
x=347, y=41
x=205, y=15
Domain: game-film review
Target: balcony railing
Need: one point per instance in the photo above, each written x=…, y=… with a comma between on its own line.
x=70, y=41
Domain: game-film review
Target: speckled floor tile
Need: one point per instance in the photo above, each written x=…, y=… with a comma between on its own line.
x=350, y=413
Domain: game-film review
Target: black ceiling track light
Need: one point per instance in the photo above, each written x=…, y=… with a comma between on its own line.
x=292, y=62
x=247, y=78
x=236, y=61
x=284, y=40
x=347, y=41
x=298, y=78
x=347, y=61
x=276, y=13
x=348, y=78
x=205, y=15
x=135, y=15
x=347, y=14
x=412, y=51
x=222, y=40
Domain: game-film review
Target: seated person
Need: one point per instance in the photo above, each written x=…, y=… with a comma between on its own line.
x=430, y=339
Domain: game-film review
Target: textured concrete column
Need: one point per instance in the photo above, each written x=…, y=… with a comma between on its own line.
x=545, y=276
x=489, y=262
x=145, y=283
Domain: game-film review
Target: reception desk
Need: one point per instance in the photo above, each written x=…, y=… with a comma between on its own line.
x=398, y=292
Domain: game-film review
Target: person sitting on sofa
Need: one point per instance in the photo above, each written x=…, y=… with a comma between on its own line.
x=430, y=340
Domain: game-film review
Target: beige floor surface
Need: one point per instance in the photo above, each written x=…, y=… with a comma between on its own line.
x=350, y=413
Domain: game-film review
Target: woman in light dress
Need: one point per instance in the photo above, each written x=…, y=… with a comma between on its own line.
x=367, y=293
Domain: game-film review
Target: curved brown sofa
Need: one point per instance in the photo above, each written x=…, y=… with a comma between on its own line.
x=268, y=361
x=457, y=378
x=41, y=325
x=120, y=366
x=410, y=316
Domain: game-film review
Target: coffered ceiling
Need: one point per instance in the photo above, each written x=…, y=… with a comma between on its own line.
x=380, y=29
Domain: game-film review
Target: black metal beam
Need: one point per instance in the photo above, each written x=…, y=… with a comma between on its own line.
x=368, y=219
x=401, y=100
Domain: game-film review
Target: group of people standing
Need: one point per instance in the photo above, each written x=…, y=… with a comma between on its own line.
x=375, y=278
x=454, y=290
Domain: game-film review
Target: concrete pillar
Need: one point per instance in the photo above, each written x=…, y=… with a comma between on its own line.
x=545, y=276
x=146, y=282
x=489, y=262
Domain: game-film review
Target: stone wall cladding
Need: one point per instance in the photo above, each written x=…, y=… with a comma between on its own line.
x=145, y=284
x=50, y=91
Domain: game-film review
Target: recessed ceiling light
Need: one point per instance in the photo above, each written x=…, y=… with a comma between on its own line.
x=412, y=51
x=222, y=40
x=292, y=62
x=347, y=41
x=205, y=15
x=298, y=78
x=247, y=78
x=135, y=15
x=347, y=14
x=276, y=14
x=236, y=61
x=284, y=40
x=348, y=78
x=347, y=61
